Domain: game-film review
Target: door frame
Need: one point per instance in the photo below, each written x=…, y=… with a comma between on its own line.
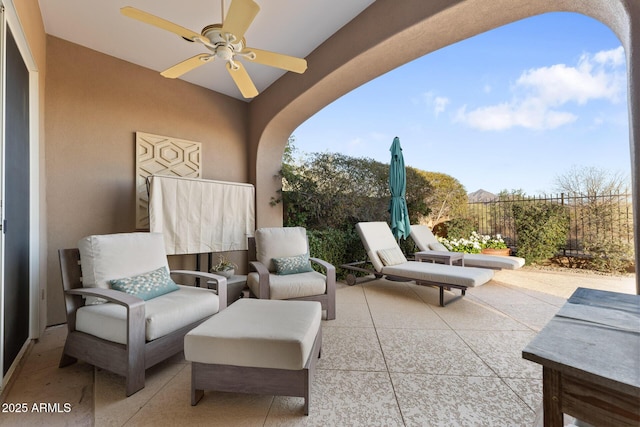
x=9, y=20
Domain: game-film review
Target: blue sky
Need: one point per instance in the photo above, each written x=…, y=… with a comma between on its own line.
x=509, y=109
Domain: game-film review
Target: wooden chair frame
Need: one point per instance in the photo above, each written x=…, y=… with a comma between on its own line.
x=130, y=360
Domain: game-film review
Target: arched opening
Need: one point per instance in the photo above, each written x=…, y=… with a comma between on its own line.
x=363, y=50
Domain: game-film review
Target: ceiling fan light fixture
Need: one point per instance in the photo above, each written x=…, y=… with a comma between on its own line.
x=225, y=52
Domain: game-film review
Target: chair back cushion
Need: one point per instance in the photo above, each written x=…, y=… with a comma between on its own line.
x=113, y=256
x=280, y=242
x=424, y=238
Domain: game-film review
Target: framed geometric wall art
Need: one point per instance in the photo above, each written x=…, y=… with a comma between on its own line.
x=162, y=155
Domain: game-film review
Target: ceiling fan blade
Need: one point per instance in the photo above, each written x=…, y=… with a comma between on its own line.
x=278, y=60
x=150, y=19
x=242, y=80
x=239, y=17
x=186, y=66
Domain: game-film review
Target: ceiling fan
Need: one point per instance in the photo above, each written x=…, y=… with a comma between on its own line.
x=226, y=42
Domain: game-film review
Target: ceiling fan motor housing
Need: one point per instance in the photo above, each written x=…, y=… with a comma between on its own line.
x=223, y=44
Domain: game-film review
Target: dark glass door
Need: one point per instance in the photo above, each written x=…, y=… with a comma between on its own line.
x=16, y=204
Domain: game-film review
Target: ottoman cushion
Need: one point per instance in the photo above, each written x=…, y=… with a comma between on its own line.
x=257, y=333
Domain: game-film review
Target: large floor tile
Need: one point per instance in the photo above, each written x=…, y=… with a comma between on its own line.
x=502, y=352
x=438, y=352
x=476, y=315
x=341, y=398
x=349, y=294
x=529, y=390
x=355, y=349
x=66, y=393
x=388, y=292
x=171, y=406
x=114, y=408
x=534, y=316
x=354, y=315
x=414, y=315
x=431, y=400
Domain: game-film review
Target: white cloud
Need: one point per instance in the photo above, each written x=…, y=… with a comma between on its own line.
x=436, y=103
x=440, y=103
x=539, y=94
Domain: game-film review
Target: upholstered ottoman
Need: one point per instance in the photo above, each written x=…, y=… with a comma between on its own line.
x=256, y=346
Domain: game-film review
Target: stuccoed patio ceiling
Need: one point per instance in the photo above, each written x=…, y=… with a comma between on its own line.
x=285, y=26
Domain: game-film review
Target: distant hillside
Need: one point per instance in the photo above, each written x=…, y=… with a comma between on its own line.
x=481, y=196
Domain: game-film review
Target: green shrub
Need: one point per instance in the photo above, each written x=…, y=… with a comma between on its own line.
x=608, y=255
x=541, y=228
x=456, y=228
x=336, y=247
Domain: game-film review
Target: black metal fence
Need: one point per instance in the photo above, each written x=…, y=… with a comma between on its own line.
x=604, y=216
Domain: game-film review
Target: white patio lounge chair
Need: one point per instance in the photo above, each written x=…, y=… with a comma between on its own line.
x=388, y=260
x=425, y=240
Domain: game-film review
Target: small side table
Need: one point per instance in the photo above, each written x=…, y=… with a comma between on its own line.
x=235, y=287
x=441, y=257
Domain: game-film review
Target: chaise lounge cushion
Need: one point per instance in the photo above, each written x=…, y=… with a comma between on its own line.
x=440, y=273
x=163, y=314
x=493, y=261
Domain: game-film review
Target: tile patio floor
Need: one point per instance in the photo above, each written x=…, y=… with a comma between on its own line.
x=392, y=357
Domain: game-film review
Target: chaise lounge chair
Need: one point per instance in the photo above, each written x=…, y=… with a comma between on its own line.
x=425, y=241
x=388, y=260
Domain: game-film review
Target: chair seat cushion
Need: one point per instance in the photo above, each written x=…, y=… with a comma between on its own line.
x=257, y=333
x=493, y=261
x=291, y=285
x=439, y=273
x=163, y=314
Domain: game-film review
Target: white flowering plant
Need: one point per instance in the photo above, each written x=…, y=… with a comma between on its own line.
x=474, y=244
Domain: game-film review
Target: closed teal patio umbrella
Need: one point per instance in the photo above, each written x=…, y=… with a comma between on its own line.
x=400, y=225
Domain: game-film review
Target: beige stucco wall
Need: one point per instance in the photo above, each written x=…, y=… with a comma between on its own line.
x=94, y=105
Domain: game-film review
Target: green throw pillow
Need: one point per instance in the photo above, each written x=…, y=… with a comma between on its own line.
x=147, y=285
x=292, y=265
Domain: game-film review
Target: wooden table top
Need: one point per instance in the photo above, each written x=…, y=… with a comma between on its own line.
x=595, y=335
